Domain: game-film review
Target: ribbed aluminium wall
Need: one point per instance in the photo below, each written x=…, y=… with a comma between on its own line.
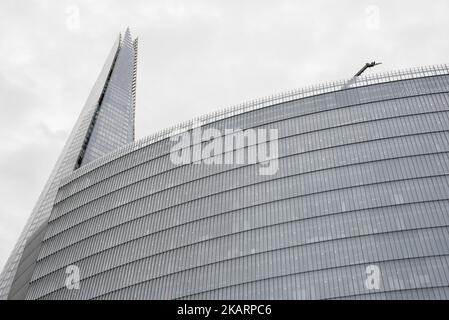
x=363, y=180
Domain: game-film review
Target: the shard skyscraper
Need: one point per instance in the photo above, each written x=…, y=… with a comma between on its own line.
x=105, y=124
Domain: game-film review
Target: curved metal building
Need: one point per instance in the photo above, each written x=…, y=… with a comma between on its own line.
x=361, y=190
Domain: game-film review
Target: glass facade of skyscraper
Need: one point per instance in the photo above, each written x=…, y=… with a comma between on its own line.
x=100, y=128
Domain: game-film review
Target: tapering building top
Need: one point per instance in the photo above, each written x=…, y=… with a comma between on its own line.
x=116, y=105
x=105, y=124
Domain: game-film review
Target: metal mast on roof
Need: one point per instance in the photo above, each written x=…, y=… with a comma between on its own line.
x=366, y=66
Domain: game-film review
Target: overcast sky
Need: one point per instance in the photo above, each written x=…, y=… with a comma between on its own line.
x=194, y=57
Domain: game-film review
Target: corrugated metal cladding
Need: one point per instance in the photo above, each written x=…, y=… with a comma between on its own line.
x=363, y=181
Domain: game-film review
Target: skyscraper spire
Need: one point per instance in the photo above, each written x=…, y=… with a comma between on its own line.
x=116, y=108
x=105, y=124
